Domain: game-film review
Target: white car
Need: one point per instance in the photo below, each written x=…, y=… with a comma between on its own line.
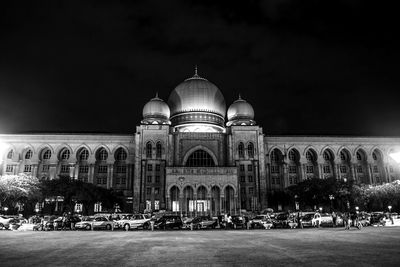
x=135, y=222
x=263, y=221
x=97, y=223
x=5, y=222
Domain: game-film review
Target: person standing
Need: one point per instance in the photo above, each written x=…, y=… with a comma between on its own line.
x=346, y=221
x=334, y=218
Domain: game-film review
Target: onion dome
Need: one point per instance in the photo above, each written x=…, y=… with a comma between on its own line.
x=156, y=111
x=240, y=113
x=197, y=101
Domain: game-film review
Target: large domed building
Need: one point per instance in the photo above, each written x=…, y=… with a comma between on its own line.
x=192, y=156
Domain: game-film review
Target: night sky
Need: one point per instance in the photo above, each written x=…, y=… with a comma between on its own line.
x=307, y=67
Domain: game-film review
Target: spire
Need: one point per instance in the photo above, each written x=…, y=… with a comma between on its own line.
x=240, y=98
x=157, y=94
x=195, y=70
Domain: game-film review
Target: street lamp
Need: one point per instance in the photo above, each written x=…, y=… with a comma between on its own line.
x=5, y=210
x=320, y=209
x=389, y=208
x=331, y=198
x=356, y=209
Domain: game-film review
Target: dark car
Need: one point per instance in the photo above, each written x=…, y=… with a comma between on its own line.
x=281, y=221
x=239, y=221
x=169, y=222
x=203, y=222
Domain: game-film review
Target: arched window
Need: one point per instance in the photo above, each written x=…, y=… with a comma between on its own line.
x=28, y=154
x=158, y=150
x=200, y=158
x=149, y=150
x=292, y=155
x=374, y=156
x=274, y=156
x=343, y=156
x=309, y=156
x=250, y=150
x=241, y=150
x=359, y=156
x=327, y=156
x=103, y=155
x=84, y=155
x=10, y=154
x=47, y=154
x=65, y=154
x=120, y=154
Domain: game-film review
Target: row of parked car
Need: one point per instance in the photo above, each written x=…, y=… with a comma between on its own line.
x=171, y=221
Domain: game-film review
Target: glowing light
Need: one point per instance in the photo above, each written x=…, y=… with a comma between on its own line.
x=3, y=149
x=200, y=128
x=395, y=156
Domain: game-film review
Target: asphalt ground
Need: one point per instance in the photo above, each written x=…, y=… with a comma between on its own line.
x=371, y=246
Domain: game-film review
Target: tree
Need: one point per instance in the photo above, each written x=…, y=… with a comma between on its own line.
x=19, y=188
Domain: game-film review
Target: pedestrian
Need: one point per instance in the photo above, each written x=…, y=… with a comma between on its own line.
x=346, y=221
x=229, y=221
x=299, y=223
x=334, y=218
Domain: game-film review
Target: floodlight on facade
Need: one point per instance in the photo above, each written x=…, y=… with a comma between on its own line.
x=395, y=156
x=3, y=149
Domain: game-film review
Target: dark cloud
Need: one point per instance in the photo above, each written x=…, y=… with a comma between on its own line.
x=307, y=67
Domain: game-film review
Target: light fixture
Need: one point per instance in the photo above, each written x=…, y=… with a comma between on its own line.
x=395, y=156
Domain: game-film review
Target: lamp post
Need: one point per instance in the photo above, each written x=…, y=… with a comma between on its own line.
x=357, y=209
x=331, y=198
x=320, y=209
x=5, y=210
x=389, y=208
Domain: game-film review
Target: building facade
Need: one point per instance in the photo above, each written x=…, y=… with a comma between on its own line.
x=191, y=155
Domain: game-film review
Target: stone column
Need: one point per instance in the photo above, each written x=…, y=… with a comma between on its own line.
x=285, y=175
x=76, y=173
x=338, y=175
x=34, y=170
x=370, y=174
x=353, y=172
x=110, y=180
x=91, y=173
x=180, y=202
x=72, y=171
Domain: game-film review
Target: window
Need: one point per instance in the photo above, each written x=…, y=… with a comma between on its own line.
x=28, y=168
x=274, y=169
x=157, y=204
x=123, y=180
x=149, y=150
x=290, y=180
x=47, y=154
x=309, y=169
x=149, y=167
x=64, y=168
x=121, y=168
x=157, y=178
x=309, y=156
x=327, y=156
x=10, y=154
x=277, y=180
x=292, y=155
x=148, y=190
x=83, y=169
x=242, y=179
x=28, y=154
x=374, y=156
x=45, y=168
x=250, y=168
x=376, y=169
x=84, y=155
x=148, y=204
x=9, y=168
x=102, y=169
x=296, y=180
x=358, y=155
x=292, y=169
x=158, y=150
x=117, y=180
x=200, y=158
x=359, y=169
x=158, y=167
x=104, y=180
x=327, y=169
x=98, y=180
x=250, y=178
x=343, y=169
x=103, y=155
x=121, y=154
x=156, y=191
x=149, y=178
x=243, y=192
x=250, y=150
x=65, y=154
x=274, y=156
x=251, y=190
x=241, y=150
x=241, y=167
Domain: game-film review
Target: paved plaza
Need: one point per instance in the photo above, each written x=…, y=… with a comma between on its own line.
x=372, y=246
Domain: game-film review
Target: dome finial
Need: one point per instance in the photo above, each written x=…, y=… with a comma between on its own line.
x=157, y=94
x=195, y=70
x=240, y=97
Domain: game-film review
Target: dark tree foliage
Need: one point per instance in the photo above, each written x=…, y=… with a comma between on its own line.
x=74, y=191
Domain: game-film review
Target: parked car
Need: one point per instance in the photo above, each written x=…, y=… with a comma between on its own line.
x=310, y=219
x=259, y=221
x=281, y=220
x=5, y=222
x=239, y=221
x=99, y=222
x=135, y=222
x=168, y=222
x=202, y=222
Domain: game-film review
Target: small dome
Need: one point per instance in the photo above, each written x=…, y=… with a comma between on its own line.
x=156, y=108
x=240, y=110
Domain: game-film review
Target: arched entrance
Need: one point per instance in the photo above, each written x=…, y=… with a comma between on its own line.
x=174, y=196
x=202, y=203
x=188, y=201
x=215, y=201
x=229, y=200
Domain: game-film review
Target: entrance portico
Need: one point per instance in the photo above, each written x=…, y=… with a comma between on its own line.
x=202, y=191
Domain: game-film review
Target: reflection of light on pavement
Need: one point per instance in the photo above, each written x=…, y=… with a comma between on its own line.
x=395, y=156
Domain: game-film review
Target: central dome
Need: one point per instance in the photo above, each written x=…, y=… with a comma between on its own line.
x=196, y=100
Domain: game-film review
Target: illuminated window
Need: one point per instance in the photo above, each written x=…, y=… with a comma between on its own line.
x=64, y=168
x=149, y=150
x=45, y=168
x=241, y=150
x=65, y=154
x=9, y=168
x=200, y=158
x=83, y=169
x=158, y=150
x=10, y=154
x=28, y=154
x=157, y=204
x=250, y=150
x=103, y=155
